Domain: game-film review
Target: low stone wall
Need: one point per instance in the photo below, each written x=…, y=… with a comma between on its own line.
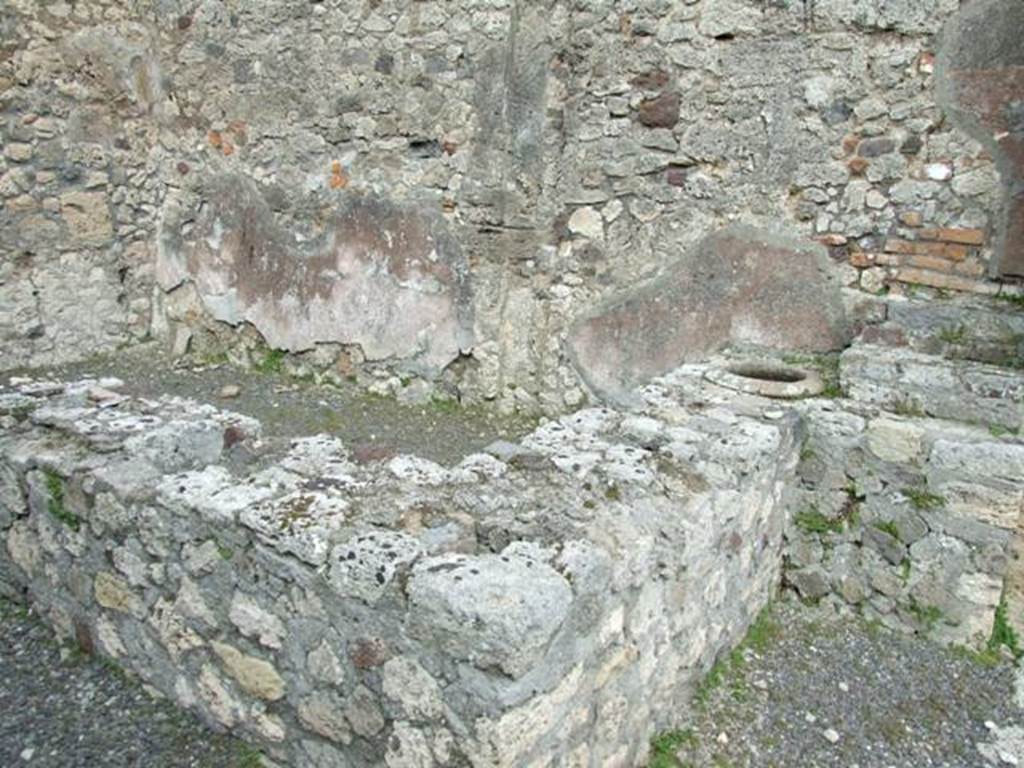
x=913, y=520
x=909, y=520
x=551, y=602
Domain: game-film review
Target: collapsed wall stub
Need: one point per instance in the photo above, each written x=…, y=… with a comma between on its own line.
x=981, y=77
x=551, y=600
x=740, y=287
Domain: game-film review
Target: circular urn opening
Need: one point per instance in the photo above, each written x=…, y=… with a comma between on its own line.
x=767, y=378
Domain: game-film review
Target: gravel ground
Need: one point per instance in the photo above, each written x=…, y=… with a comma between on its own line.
x=59, y=709
x=809, y=689
x=806, y=690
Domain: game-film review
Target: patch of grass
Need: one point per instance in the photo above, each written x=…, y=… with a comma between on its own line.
x=832, y=390
x=810, y=520
x=213, y=358
x=665, y=745
x=1010, y=361
x=1016, y=300
x=444, y=405
x=1002, y=633
x=712, y=680
x=827, y=367
x=926, y=615
x=12, y=610
x=55, y=504
x=887, y=526
x=851, y=507
x=248, y=757
x=760, y=635
x=905, y=570
x=987, y=657
x=226, y=553
x=954, y=334
x=112, y=667
x=763, y=632
x=892, y=729
x=271, y=362
x=873, y=627
x=999, y=431
x=921, y=499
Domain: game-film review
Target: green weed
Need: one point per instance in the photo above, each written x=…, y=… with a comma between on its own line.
x=926, y=615
x=887, y=526
x=812, y=521
x=921, y=499
x=760, y=635
x=665, y=746
x=1002, y=633
x=1016, y=300
x=954, y=334
x=55, y=504
x=271, y=362
x=248, y=757
x=444, y=405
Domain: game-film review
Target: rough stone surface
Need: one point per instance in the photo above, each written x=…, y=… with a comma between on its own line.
x=400, y=611
x=913, y=519
x=897, y=379
x=741, y=287
x=406, y=211
x=63, y=708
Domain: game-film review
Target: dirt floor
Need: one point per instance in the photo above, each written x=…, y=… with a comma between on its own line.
x=442, y=431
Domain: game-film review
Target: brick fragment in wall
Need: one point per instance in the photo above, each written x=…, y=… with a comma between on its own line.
x=661, y=111
x=950, y=235
x=948, y=282
x=951, y=251
x=969, y=268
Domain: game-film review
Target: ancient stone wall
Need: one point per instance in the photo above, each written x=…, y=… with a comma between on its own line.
x=910, y=495
x=550, y=602
x=914, y=522
x=395, y=189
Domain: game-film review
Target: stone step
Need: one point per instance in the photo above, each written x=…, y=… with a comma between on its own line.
x=902, y=380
